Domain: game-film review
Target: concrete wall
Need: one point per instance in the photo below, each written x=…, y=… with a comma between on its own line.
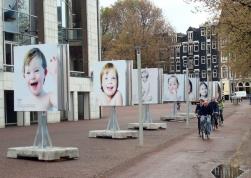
x=92, y=50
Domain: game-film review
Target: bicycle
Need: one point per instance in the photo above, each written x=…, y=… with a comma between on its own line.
x=205, y=127
x=215, y=120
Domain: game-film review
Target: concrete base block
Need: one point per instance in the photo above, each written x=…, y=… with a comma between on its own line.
x=148, y=126
x=118, y=134
x=173, y=118
x=46, y=154
x=191, y=115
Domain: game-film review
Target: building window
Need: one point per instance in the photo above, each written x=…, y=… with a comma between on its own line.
x=172, y=60
x=208, y=61
x=202, y=32
x=208, y=47
x=196, y=60
x=215, y=73
x=172, y=52
x=190, y=36
x=8, y=64
x=177, y=67
x=197, y=75
x=214, y=45
x=203, y=74
x=203, y=60
x=185, y=48
x=196, y=47
x=184, y=58
x=177, y=51
x=214, y=58
x=178, y=60
x=224, y=72
x=213, y=30
x=172, y=68
x=224, y=58
x=202, y=47
x=190, y=49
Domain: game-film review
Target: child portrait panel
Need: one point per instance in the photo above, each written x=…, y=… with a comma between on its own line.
x=36, y=78
x=150, y=86
x=173, y=87
x=110, y=83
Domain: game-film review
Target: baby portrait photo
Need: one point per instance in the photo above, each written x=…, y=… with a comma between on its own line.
x=36, y=75
x=173, y=87
x=150, y=84
x=192, y=89
x=110, y=83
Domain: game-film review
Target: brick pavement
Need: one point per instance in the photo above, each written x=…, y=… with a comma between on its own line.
x=98, y=157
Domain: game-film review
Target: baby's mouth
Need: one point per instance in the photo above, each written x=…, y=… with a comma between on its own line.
x=109, y=88
x=34, y=84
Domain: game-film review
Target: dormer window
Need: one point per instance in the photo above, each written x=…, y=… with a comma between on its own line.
x=190, y=35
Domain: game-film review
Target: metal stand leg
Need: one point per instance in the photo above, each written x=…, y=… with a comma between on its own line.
x=174, y=108
x=146, y=114
x=113, y=122
x=42, y=139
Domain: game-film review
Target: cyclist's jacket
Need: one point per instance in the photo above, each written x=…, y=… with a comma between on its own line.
x=203, y=110
x=214, y=106
x=221, y=105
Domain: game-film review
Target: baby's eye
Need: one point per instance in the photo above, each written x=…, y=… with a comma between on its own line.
x=37, y=70
x=27, y=73
x=114, y=78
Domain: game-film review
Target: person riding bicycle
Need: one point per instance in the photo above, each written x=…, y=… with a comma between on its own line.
x=198, y=112
x=221, y=106
x=215, y=111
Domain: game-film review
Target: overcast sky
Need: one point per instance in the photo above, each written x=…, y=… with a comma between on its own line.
x=178, y=13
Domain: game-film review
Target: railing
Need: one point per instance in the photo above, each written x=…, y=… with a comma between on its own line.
x=71, y=34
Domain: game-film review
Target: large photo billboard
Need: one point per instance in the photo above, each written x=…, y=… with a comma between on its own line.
x=173, y=87
x=112, y=82
x=151, y=81
x=36, y=78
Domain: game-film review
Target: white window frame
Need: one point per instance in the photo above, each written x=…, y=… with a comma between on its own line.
x=196, y=45
x=202, y=32
x=172, y=68
x=184, y=60
x=214, y=58
x=202, y=46
x=190, y=49
x=177, y=66
x=196, y=61
x=215, y=71
x=177, y=59
x=190, y=35
x=214, y=44
x=203, y=74
x=185, y=48
x=203, y=59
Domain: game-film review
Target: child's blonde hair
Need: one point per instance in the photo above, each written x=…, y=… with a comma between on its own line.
x=108, y=66
x=31, y=54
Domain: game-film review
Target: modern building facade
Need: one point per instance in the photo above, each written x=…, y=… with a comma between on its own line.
x=70, y=22
x=197, y=49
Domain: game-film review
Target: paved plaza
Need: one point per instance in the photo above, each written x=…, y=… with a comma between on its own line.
x=117, y=158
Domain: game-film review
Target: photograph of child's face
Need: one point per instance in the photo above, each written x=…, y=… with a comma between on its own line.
x=144, y=75
x=34, y=75
x=173, y=85
x=109, y=82
x=203, y=90
x=36, y=84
